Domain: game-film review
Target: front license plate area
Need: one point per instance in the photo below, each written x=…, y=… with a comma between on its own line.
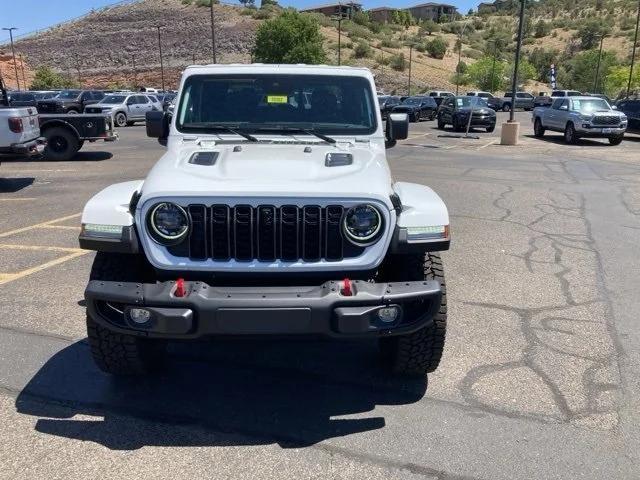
x=246, y=321
x=607, y=130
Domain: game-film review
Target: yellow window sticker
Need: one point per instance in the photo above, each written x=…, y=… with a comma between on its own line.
x=277, y=99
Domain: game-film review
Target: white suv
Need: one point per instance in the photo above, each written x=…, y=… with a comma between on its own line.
x=273, y=211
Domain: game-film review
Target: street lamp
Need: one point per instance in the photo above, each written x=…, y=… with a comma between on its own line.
x=410, y=61
x=514, y=82
x=464, y=25
x=13, y=52
x=633, y=54
x=160, y=49
x=339, y=19
x=24, y=79
x=595, y=81
x=213, y=33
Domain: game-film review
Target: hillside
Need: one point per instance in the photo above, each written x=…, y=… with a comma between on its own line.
x=118, y=46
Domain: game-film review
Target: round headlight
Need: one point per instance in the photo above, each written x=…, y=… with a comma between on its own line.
x=169, y=222
x=362, y=224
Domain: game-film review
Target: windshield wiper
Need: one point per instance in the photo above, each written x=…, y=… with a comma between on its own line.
x=308, y=131
x=215, y=126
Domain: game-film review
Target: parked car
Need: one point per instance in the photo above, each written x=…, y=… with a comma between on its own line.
x=455, y=111
x=631, y=108
x=247, y=235
x=523, y=100
x=70, y=101
x=417, y=108
x=387, y=102
x=167, y=98
x=439, y=95
x=155, y=100
x=485, y=95
x=45, y=95
x=125, y=109
x=578, y=117
x=544, y=100
x=19, y=132
x=21, y=99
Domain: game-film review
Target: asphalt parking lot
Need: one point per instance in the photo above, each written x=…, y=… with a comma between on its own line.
x=540, y=377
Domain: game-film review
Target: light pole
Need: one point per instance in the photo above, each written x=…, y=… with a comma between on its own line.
x=160, y=50
x=213, y=33
x=13, y=52
x=464, y=25
x=514, y=83
x=24, y=80
x=493, y=66
x=595, y=81
x=410, y=61
x=338, y=18
x=633, y=54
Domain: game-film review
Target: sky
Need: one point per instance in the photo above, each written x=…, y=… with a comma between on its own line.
x=30, y=15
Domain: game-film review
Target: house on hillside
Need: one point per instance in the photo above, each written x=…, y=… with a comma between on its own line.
x=381, y=14
x=345, y=10
x=433, y=11
x=492, y=7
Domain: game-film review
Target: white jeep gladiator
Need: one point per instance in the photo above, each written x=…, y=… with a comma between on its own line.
x=272, y=212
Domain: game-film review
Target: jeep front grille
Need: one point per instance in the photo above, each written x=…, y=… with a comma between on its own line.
x=266, y=233
x=606, y=120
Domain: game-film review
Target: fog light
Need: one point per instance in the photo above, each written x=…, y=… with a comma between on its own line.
x=389, y=314
x=139, y=315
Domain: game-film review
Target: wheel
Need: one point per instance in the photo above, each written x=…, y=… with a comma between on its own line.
x=570, y=134
x=119, y=353
x=538, y=129
x=420, y=352
x=412, y=117
x=73, y=111
x=62, y=144
x=457, y=127
x=506, y=107
x=615, y=140
x=491, y=128
x=120, y=119
x=441, y=123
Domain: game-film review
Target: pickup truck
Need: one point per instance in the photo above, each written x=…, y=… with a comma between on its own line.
x=578, y=117
x=66, y=133
x=524, y=100
x=543, y=100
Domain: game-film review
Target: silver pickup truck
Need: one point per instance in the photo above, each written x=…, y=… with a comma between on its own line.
x=524, y=100
x=580, y=117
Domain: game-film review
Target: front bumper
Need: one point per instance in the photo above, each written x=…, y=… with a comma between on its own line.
x=30, y=148
x=588, y=130
x=295, y=310
x=477, y=121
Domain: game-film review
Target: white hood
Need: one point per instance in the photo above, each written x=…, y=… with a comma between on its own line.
x=292, y=169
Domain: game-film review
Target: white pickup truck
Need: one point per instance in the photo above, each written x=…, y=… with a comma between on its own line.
x=19, y=129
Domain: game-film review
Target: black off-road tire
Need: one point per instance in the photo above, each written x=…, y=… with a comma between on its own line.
x=570, y=135
x=615, y=140
x=118, y=353
x=538, y=129
x=491, y=128
x=441, y=123
x=62, y=144
x=418, y=353
x=506, y=107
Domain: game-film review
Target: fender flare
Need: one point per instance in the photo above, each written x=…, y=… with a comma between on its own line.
x=56, y=122
x=111, y=206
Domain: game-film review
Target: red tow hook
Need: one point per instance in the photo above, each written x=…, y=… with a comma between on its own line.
x=180, y=290
x=347, y=290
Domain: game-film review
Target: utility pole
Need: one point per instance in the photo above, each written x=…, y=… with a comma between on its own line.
x=493, y=66
x=213, y=33
x=595, y=81
x=160, y=50
x=514, y=83
x=633, y=54
x=338, y=18
x=459, y=56
x=410, y=61
x=135, y=71
x=24, y=80
x=13, y=52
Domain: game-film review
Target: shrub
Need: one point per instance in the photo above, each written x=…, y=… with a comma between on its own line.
x=542, y=29
x=398, y=62
x=429, y=27
x=262, y=14
x=356, y=31
x=437, y=48
x=383, y=59
x=390, y=43
x=247, y=12
x=362, y=50
x=472, y=53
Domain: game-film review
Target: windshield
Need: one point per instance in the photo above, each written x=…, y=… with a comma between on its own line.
x=411, y=101
x=591, y=105
x=475, y=102
x=254, y=102
x=69, y=94
x=113, y=99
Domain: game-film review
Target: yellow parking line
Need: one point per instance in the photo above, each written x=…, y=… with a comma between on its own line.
x=40, y=248
x=23, y=199
x=486, y=144
x=10, y=277
x=38, y=225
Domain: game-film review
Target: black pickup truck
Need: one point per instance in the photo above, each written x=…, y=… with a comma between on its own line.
x=70, y=101
x=66, y=133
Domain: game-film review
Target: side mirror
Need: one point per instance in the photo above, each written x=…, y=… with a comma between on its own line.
x=397, y=128
x=157, y=124
x=614, y=107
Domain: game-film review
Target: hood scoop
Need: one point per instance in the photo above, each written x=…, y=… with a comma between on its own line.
x=338, y=159
x=205, y=159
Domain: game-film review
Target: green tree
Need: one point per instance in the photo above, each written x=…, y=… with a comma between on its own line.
x=526, y=71
x=398, y=62
x=291, y=37
x=616, y=81
x=542, y=29
x=46, y=79
x=487, y=75
x=362, y=50
x=589, y=33
x=429, y=27
x=581, y=69
x=437, y=48
x=462, y=67
x=542, y=60
x=361, y=18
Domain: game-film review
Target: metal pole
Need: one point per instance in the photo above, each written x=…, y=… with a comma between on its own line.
x=410, y=61
x=24, y=80
x=514, y=83
x=595, y=81
x=213, y=33
x=339, y=37
x=493, y=67
x=13, y=52
x=633, y=54
x=135, y=71
x=161, y=64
